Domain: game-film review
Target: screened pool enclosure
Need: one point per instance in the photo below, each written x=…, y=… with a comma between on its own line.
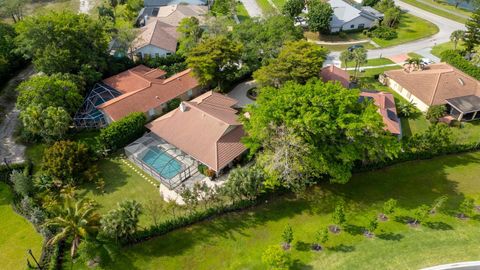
x=88, y=116
x=161, y=160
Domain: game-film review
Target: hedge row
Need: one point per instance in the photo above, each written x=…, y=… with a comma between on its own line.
x=455, y=59
x=120, y=133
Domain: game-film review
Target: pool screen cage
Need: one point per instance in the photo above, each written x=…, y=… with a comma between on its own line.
x=137, y=150
x=88, y=116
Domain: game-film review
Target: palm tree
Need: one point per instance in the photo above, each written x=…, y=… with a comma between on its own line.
x=359, y=56
x=77, y=220
x=345, y=57
x=457, y=36
x=415, y=63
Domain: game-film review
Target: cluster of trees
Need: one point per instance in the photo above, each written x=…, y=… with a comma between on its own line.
x=358, y=56
x=318, y=17
x=391, y=19
x=219, y=57
x=9, y=60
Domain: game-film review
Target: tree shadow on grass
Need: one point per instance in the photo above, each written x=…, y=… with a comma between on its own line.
x=115, y=174
x=297, y=264
x=354, y=229
x=303, y=246
x=438, y=225
x=390, y=236
x=403, y=219
x=342, y=248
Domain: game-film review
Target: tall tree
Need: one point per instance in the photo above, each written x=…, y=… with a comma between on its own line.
x=214, y=60
x=63, y=42
x=472, y=35
x=319, y=16
x=359, y=57
x=190, y=34
x=77, y=220
x=392, y=17
x=12, y=9
x=346, y=56
x=456, y=37
x=50, y=123
x=337, y=129
x=9, y=61
x=293, y=8
x=298, y=61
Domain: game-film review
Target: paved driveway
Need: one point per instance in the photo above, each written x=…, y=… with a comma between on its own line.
x=240, y=93
x=252, y=8
x=446, y=27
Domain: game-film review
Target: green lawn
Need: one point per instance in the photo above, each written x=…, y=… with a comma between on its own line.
x=414, y=55
x=438, y=49
x=369, y=73
x=242, y=13
x=279, y=3
x=267, y=9
x=410, y=28
x=452, y=15
x=237, y=240
x=17, y=235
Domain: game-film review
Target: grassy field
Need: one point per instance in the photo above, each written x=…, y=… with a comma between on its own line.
x=438, y=49
x=410, y=28
x=237, y=240
x=17, y=234
x=452, y=14
x=267, y=9
x=242, y=13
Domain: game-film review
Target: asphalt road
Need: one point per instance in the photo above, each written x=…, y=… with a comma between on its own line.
x=446, y=27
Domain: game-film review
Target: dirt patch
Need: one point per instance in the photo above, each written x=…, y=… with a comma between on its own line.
x=334, y=229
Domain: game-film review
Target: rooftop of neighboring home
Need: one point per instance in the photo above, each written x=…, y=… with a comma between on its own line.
x=333, y=73
x=436, y=83
x=172, y=14
x=205, y=128
x=158, y=34
x=156, y=3
x=386, y=108
x=344, y=12
x=144, y=88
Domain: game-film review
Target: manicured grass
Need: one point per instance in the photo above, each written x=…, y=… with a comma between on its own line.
x=414, y=55
x=122, y=183
x=452, y=15
x=369, y=73
x=17, y=235
x=339, y=48
x=438, y=49
x=242, y=13
x=237, y=240
x=267, y=9
x=410, y=28
x=279, y=3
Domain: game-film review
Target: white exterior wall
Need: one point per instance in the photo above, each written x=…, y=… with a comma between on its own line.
x=407, y=95
x=356, y=22
x=151, y=51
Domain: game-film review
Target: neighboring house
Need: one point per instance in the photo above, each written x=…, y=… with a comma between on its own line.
x=172, y=14
x=157, y=3
x=156, y=39
x=140, y=89
x=386, y=108
x=334, y=73
x=347, y=17
x=438, y=84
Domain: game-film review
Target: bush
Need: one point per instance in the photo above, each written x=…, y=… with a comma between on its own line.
x=120, y=133
x=455, y=59
x=173, y=104
x=406, y=109
x=276, y=258
x=342, y=35
x=5, y=170
x=435, y=112
x=385, y=33
x=22, y=183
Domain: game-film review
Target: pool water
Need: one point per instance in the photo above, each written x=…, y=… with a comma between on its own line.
x=164, y=164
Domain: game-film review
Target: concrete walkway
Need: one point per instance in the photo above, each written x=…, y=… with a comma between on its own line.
x=474, y=265
x=252, y=8
x=427, y=53
x=240, y=93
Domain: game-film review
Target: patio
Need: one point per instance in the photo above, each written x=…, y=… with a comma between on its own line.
x=465, y=108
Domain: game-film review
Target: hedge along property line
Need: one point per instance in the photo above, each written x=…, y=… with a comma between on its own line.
x=454, y=58
x=120, y=133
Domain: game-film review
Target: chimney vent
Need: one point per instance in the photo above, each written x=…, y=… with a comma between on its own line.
x=182, y=107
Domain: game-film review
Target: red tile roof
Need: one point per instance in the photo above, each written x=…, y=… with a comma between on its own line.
x=333, y=73
x=207, y=129
x=386, y=108
x=143, y=89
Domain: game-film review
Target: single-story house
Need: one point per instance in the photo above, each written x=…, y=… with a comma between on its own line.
x=172, y=14
x=334, y=73
x=156, y=39
x=437, y=84
x=206, y=128
x=139, y=89
x=347, y=17
x=386, y=108
x=158, y=3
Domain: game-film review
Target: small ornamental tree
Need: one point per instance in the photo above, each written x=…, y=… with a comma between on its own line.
x=276, y=258
x=438, y=204
x=338, y=217
x=293, y=8
x=122, y=132
x=388, y=208
x=22, y=183
x=122, y=223
x=319, y=16
x=435, y=112
x=466, y=208
x=419, y=214
x=372, y=225
x=287, y=237
x=321, y=237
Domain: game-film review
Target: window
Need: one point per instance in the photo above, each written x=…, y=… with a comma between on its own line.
x=362, y=25
x=151, y=112
x=352, y=26
x=157, y=55
x=169, y=53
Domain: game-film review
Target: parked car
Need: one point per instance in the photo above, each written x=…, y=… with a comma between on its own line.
x=354, y=47
x=427, y=61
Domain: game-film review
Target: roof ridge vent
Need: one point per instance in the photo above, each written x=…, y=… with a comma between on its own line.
x=182, y=107
x=460, y=81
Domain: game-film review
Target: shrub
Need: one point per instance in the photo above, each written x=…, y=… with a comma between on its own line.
x=455, y=59
x=118, y=134
x=67, y=162
x=202, y=168
x=22, y=183
x=276, y=258
x=173, y=104
x=384, y=32
x=435, y=112
x=342, y=35
x=406, y=109
x=436, y=139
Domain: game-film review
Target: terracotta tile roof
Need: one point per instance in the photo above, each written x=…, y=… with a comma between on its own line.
x=436, y=83
x=207, y=129
x=386, y=108
x=333, y=73
x=158, y=34
x=173, y=14
x=143, y=89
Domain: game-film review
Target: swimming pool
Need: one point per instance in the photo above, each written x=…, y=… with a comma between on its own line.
x=163, y=163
